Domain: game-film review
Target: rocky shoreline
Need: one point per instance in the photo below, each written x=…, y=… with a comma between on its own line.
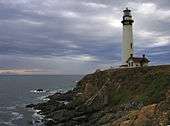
x=114, y=97
x=56, y=101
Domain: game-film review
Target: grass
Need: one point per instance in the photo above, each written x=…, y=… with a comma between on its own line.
x=151, y=89
x=155, y=88
x=120, y=96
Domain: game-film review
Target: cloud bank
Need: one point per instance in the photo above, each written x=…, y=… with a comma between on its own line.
x=77, y=37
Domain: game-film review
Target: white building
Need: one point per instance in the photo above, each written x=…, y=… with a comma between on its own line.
x=137, y=61
x=127, y=45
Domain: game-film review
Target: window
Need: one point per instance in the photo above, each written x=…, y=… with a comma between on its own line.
x=131, y=45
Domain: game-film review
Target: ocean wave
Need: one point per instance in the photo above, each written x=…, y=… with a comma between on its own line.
x=38, y=91
x=4, y=112
x=44, y=98
x=37, y=119
x=60, y=90
x=8, y=108
x=49, y=91
x=9, y=123
x=16, y=116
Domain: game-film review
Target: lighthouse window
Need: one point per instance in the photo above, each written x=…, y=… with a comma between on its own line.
x=131, y=45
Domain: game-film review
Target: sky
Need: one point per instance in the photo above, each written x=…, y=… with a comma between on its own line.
x=78, y=36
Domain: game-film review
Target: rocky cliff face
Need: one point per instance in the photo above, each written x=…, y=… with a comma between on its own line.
x=115, y=97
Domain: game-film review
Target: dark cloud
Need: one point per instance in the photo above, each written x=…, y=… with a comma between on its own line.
x=57, y=37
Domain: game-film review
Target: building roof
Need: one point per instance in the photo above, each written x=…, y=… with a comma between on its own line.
x=124, y=65
x=139, y=59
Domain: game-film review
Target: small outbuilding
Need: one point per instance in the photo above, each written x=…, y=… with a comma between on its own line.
x=137, y=61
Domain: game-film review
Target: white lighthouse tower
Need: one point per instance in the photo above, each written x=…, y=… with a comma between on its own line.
x=127, y=44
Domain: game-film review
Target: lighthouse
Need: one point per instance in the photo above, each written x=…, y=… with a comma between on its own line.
x=127, y=43
x=128, y=59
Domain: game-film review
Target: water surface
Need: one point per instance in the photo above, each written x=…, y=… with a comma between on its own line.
x=18, y=91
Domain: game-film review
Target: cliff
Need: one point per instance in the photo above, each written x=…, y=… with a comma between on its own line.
x=114, y=97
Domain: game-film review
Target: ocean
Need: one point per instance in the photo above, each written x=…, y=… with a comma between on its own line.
x=17, y=91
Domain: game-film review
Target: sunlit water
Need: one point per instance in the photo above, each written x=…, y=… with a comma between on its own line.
x=18, y=91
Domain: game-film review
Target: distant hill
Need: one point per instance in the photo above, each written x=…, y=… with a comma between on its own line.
x=114, y=97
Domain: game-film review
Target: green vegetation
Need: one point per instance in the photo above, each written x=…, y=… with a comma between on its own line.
x=145, y=86
x=120, y=96
x=155, y=88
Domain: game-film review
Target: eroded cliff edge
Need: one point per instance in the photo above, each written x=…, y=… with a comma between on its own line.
x=114, y=97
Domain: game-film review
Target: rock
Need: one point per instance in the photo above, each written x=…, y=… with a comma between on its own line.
x=114, y=97
x=68, y=96
x=40, y=90
x=147, y=111
x=145, y=116
x=50, y=123
x=30, y=106
x=80, y=118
